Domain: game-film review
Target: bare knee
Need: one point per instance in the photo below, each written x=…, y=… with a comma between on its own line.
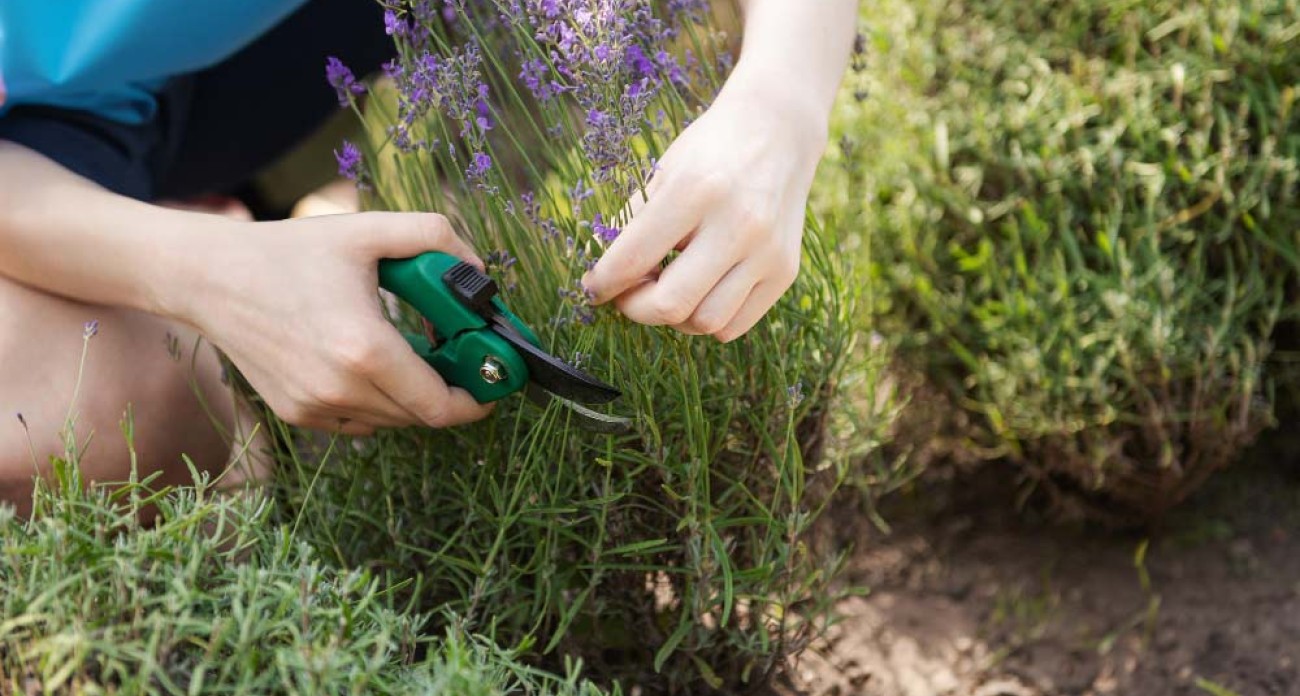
x=139, y=391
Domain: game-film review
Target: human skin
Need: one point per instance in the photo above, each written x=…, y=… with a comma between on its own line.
x=293, y=304
x=730, y=192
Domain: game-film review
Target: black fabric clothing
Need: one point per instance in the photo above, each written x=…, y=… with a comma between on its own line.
x=215, y=129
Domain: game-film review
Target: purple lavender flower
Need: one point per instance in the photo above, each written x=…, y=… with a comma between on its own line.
x=691, y=8
x=394, y=25
x=593, y=44
x=349, y=159
x=532, y=211
x=392, y=69
x=638, y=62
x=608, y=59
x=480, y=164
x=603, y=232
x=424, y=11
x=499, y=261
x=342, y=80
x=579, y=193
x=451, y=84
x=579, y=301
x=90, y=329
x=538, y=78
x=795, y=394
x=482, y=114
x=531, y=72
x=608, y=139
x=669, y=68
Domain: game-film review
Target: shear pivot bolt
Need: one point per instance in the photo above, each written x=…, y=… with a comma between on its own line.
x=492, y=371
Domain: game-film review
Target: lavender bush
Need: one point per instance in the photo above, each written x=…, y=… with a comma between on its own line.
x=673, y=557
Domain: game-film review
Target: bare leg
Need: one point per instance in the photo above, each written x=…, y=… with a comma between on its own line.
x=129, y=363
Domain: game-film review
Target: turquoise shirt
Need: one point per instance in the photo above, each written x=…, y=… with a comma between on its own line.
x=107, y=56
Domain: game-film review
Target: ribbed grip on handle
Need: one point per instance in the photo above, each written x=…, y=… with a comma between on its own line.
x=474, y=288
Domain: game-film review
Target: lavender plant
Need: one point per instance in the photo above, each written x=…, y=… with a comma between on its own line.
x=670, y=557
x=214, y=598
x=134, y=588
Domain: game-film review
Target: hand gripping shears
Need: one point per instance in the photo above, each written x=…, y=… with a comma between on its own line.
x=477, y=344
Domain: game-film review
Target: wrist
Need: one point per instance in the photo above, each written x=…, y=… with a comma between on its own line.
x=805, y=121
x=802, y=48
x=193, y=253
x=779, y=86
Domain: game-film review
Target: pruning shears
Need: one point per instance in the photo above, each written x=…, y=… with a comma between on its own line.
x=477, y=344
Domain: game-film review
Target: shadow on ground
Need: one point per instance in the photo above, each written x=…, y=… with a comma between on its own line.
x=968, y=597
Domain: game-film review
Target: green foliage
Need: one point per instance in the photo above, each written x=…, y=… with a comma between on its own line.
x=129, y=589
x=670, y=558
x=213, y=598
x=1084, y=220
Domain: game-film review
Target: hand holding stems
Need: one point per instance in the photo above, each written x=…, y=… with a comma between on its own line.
x=293, y=303
x=730, y=192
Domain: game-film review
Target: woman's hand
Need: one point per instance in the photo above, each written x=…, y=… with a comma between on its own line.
x=731, y=190
x=294, y=305
x=730, y=195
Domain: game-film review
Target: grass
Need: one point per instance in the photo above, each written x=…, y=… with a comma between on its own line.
x=215, y=597
x=1081, y=219
x=214, y=594
x=1212, y=688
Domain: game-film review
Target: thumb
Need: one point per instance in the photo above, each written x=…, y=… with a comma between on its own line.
x=402, y=235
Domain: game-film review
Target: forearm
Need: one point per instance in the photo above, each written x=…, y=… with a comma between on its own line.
x=800, y=47
x=67, y=236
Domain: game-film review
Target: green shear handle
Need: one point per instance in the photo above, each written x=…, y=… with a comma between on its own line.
x=468, y=353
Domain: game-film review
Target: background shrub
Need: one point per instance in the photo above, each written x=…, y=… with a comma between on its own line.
x=1083, y=225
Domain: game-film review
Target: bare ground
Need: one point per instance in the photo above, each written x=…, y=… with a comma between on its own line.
x=967, y=596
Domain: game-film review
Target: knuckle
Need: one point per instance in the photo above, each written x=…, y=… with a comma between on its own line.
x=708, y=322
x=594, y=281
x=787, y=271
x=432, y=413
x=670, y=309
x=637, y=261
x=727, y=336
x=437, y=227
x=752, y=223
x=332, y=393
x=709, y=187
x=294, y=413
x=357, y=354
x=437, y=418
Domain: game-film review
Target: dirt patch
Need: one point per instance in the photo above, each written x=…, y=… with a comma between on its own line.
x=968, y=597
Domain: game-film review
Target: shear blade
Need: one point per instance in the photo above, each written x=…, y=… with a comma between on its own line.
x=586, y=418
x=552, y=374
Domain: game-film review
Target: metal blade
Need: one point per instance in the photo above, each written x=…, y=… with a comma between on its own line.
x=551, y=373
x=584, y=417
